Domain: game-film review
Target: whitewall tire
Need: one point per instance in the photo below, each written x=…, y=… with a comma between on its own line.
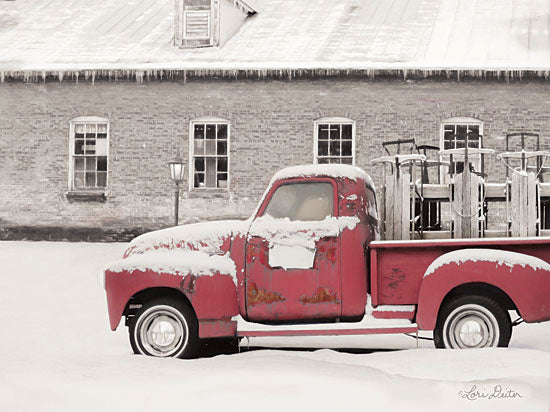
x=164, y=328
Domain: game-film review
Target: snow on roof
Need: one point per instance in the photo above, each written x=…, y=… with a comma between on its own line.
x=288, y=35
x=330, y=170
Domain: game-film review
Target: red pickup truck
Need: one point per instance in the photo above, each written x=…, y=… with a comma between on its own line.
x=308, y=262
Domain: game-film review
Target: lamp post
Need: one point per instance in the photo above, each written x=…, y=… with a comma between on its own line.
x=176, y=174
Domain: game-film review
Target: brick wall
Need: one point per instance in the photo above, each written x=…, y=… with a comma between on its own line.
x=271, y=127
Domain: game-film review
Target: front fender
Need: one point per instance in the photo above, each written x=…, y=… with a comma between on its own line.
x=213, y=297
x=525, y=279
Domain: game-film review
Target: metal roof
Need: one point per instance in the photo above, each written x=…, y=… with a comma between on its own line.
x=58, y=35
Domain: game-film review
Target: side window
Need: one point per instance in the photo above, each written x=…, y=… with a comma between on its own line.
x=302, y=201
x=89, y=152
x=209, y=154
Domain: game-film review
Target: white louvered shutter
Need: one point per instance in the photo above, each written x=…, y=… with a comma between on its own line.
x=197, y=24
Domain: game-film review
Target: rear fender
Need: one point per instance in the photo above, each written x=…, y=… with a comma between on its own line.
x=524, y=279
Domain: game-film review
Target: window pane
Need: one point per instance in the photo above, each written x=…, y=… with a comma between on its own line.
x=101, y=179
x=101, y=147
x=322, y=160
x=199, y=147
x=222, y=164
x=91, y=129
x=210, y=131
x=323, y=131
x=222, y=180
x=79, y=164
x=91, y=164
x=199, y=164
x=199, y=131
x=301, y=201
x=90, y=179
x=222, y=131
x=210, y=172
x=347, y=160
x=322, y=147
x=79, y=128
x=102, y=163
x=79, y=180
x=347, y=132
x=199, y=180
x=79, y=147
x=222, y=148
x=90, y=146
x=211, y=147
x=334, y=132
x=346, y=148
x=335, y=148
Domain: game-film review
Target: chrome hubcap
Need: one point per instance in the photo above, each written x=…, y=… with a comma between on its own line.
x=471, y=332
x=471, y=326
x=162, y=332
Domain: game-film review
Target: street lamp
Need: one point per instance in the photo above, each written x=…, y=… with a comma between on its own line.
x=176, y=174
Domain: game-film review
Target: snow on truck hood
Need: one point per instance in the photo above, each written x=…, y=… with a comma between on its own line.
x=205, y=237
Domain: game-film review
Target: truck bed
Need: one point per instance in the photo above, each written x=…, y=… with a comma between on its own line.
x=398, y=267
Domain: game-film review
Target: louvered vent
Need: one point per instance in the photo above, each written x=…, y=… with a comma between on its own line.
x=197, y=24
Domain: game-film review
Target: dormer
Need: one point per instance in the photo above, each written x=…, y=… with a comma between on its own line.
x=204, y=23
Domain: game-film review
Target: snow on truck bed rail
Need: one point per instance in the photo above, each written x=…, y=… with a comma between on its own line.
x=500, y=257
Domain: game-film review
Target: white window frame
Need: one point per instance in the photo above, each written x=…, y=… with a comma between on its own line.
x=208, y=120
x=195, y=11
x=86, y=120
x=331, y=121
x=460, y=121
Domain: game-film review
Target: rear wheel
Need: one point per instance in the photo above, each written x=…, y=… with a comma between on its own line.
x=472, y=322
x=164, y=328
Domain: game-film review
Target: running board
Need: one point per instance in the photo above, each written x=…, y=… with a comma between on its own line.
x=367, y=326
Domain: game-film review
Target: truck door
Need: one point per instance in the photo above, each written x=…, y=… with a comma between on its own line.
x=293, y=254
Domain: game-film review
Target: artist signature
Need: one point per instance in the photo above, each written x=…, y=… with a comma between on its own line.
x=495, y=392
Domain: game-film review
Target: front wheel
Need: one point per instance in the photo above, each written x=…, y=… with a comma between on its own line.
x=164, y=328
x=472, y=322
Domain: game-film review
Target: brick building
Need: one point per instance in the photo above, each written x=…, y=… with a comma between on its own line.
x=97, y=97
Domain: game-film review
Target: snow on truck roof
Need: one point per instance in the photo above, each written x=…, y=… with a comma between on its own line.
x=329, y=170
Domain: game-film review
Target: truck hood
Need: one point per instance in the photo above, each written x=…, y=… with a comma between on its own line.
x=209, y=237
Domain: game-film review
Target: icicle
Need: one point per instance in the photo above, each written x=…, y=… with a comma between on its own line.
x=1, y=76
x=93, y=76
x=44, y=76
x=60, y=75
x=404, y=74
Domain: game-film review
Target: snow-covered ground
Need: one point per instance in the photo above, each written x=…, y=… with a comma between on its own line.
x=58, y=354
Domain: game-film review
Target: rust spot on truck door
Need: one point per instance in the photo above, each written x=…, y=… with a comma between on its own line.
x=322, y=295
x=255, y=296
